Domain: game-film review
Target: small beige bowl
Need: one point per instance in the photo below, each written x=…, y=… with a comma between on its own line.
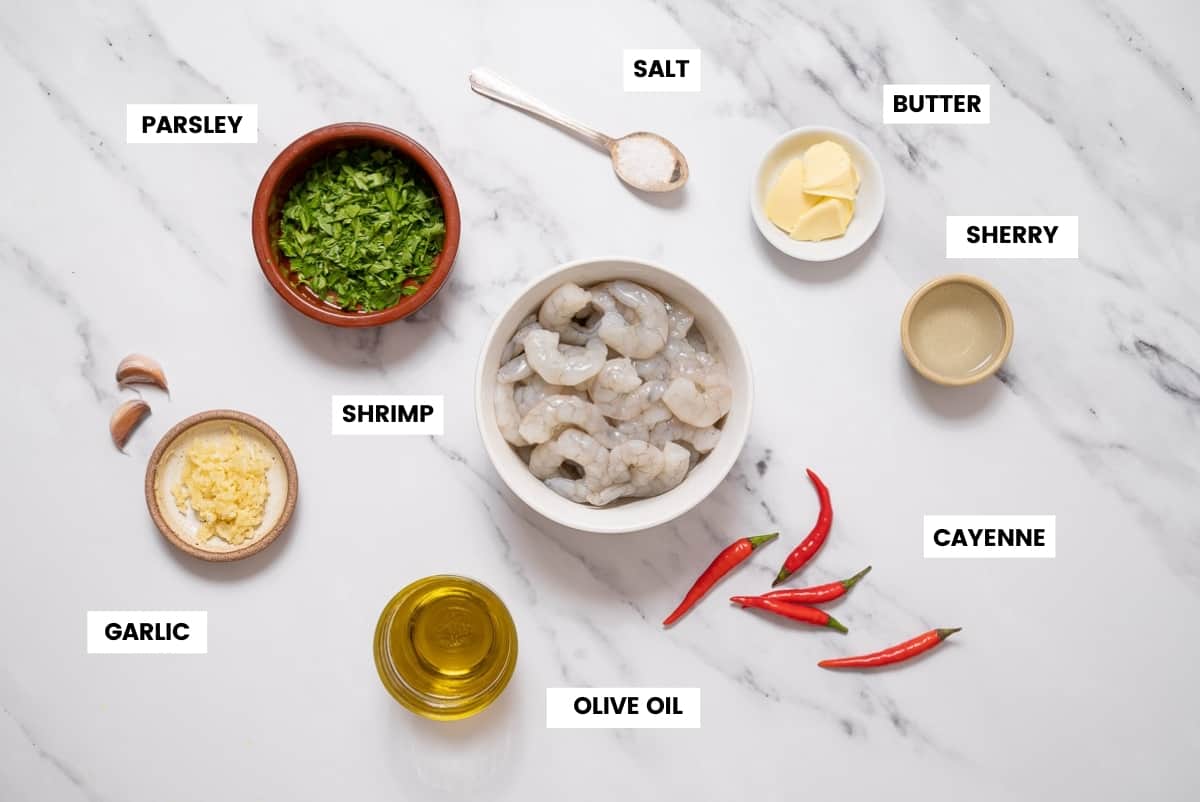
x=956, y=330
x=166, y=465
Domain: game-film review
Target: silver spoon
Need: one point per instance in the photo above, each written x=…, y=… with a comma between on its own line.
x=643, y=160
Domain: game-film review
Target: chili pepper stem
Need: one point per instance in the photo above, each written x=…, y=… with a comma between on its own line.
x=761, y=540
x=833, y=623
x=852, y=581
x=945, y=633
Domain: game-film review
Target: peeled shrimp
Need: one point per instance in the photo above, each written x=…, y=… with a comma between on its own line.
x=535, y=389
x=679, y=320
x=656, y=368
x=514, y=370
x=580, y=450
x=563, y=364
x=516, y=343
x=557, y=412
x=698, y=404
x=507, y=418
x=676, y=463
x=702, y=439
x=560, y=310
x=620, y=394
x=639, y=340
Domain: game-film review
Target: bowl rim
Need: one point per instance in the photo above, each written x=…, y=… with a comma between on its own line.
x=765, y=226
x=382, y=135
x=268, y=537
x=648, y=522
x=914, y=358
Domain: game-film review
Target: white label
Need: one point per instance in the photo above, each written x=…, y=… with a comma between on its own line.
x=622, y=708
x=1012, y=237
x=147, y=632
x=945, y=104
x=389, y=414
x=661, y=70
x=175, y=123
x=979, y=536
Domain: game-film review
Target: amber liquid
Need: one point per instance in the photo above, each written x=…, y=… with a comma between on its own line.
x=449, y=647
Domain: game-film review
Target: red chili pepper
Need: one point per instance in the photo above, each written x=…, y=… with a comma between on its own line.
x=724, y=562
x=796, y=612
x=814, y=595
x=816, y=538
x=893, y=654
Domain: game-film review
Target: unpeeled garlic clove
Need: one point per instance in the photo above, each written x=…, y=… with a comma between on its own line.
x=125, y=419
x=141, y=369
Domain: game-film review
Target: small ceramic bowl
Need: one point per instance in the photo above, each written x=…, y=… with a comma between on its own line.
x=290, y=166
x=632, y=515
x=956, y=330
x=166, y=466
x=868, y=206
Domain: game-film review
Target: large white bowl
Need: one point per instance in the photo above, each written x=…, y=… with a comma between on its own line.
x=868, y=206
x=627, y=516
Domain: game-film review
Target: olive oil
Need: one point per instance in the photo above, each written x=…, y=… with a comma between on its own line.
x=445, y=647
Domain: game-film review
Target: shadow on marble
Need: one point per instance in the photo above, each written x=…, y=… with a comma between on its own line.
x=663, y=200
x=951, y=402
x=237, y=570
x=814, y=272
x=467, y=759
x=375, y=347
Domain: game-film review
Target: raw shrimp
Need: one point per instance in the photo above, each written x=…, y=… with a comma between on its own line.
x=656, y=368
x=699, y=404
x=639, y=340
x=516, y=343
x=514, y=370
x=639, y=428
x=573, y=446
x=581, y=451
x=702, y=439
x=563, y=364
x=561, y=310
x=679, y=319
x=620, y=394
x=557, y=412
x=507, y=419
x=676, y=463
x=635, y=462
x=535, y=389
x=686, y=362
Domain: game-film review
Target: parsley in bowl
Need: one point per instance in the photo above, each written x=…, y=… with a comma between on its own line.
x=355, y=225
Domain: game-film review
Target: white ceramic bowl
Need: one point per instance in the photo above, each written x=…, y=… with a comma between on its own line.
x=622, y=516
x=868, y=206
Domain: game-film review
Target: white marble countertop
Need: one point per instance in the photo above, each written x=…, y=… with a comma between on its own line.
x=1073, y=677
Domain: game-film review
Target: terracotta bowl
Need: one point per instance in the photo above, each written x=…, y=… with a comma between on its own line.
x=166, y=464
x=290, y=166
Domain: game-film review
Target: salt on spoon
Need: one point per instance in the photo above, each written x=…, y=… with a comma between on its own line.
x=643, y=160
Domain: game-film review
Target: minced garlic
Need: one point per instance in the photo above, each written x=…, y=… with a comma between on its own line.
x=224, y=481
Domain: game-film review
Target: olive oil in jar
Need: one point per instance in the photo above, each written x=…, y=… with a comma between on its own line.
x=445, y=647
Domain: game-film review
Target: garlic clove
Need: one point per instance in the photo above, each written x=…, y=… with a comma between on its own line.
x=141, y=369
x=125, y=419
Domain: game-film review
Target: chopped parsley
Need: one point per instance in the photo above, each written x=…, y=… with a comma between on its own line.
x=363, y=228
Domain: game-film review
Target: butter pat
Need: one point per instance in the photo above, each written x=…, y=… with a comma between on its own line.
x=827, y=219
x=787, y=201
x=829, y=172
x=813, y=198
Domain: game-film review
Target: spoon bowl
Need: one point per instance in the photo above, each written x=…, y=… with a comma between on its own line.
x=642, y=160
x=648, y=162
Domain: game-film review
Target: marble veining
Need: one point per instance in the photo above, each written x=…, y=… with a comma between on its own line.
x=1071, y=677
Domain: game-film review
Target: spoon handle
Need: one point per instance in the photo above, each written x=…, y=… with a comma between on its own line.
x=489, y=84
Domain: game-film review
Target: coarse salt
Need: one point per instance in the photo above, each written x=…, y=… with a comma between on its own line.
x=645, y=160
